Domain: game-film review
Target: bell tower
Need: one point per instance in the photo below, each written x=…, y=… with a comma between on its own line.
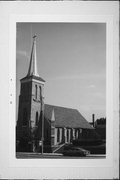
x=29, y=101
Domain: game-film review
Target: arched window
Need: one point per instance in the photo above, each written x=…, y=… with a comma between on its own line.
x=77, y=132
x=25, y=117
x=58, y=135
x=67, y=135
x=35, y=91
x=40, y=92
x=36, y=121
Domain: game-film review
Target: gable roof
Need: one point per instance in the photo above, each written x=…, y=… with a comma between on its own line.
x=66, y=117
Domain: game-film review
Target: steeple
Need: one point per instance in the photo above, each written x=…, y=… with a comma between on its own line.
x=33, y=60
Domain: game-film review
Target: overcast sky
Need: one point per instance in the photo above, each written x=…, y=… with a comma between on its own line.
x=71, y=58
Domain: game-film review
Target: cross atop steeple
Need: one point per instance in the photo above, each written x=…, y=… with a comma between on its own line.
x=34, y=36
x=33, y=60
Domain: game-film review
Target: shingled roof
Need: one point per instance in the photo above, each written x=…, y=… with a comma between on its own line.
x=66, y=117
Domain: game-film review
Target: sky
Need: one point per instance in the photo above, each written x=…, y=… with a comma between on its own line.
x=71, y=58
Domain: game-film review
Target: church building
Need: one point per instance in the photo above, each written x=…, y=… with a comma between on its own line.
x=42, y=127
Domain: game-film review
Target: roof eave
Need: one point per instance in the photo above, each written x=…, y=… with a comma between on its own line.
x=33, y=77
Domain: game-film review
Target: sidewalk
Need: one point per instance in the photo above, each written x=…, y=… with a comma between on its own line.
x=22, y=155
x=44, y=154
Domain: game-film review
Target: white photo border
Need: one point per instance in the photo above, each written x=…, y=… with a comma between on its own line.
x=108, y=161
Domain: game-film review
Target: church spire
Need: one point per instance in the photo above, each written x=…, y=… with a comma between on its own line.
x=33, y=60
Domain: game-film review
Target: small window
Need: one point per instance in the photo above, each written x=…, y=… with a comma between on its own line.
x=25, y=117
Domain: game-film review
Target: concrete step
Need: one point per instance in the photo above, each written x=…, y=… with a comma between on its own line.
x=59, y=149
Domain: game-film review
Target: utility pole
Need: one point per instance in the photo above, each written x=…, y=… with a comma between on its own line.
x=42, y=111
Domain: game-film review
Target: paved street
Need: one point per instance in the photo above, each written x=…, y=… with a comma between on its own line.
x=55, y=156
